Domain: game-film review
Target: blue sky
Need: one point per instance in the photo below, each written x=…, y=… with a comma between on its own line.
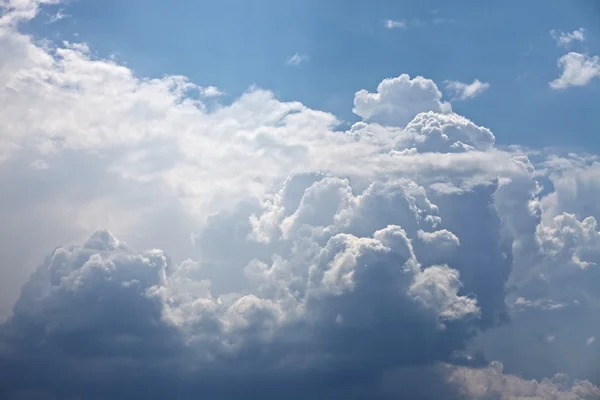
x=233, y=44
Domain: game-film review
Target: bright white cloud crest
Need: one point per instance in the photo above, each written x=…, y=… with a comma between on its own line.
x=320, y=259
x=577, y=70
x=398, y=100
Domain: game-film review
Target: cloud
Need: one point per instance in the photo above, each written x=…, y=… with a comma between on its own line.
x=298, y=259
x=490, y=382
x=464, y=91
x=104, y=300
x=398, y=100
x=15, y=11
x=564, y=39
x=577, y=70
x=58, y=16
x=210, y=91
x=394, y=24
x=297, y=59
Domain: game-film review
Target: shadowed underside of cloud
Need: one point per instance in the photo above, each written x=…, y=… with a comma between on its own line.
x=393, y=260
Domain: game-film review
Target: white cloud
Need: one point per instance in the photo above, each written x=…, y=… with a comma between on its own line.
x=297, y=59
x=210, y=91
x=577, y=70
x=398, y=100
x=395, y=24
x=565, y=38
x=15, y=11
x=464, y=91
x=492, y=383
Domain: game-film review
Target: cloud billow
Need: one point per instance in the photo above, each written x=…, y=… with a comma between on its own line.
x=305, y=261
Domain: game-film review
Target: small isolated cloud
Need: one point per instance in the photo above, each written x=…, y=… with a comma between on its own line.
x=297, y=59
x=60, y=15
x=565, y=38
x=464, y=91
x=577, y=70
x=211, y=91
x=395, y=24
x=591, y=340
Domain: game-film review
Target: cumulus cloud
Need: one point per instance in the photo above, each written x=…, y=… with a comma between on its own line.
x=464, y=91
x=298, y=260
x=565, y=38
x=398, y=100
x=210, y=91
x=577, y=70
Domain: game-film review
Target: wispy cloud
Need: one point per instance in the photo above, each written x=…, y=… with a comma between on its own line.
x=60, y=15
x=416, y=22
x=395, y=24
x=565, y=38
x=464, y=91
x=297, y=59
x=590, y=340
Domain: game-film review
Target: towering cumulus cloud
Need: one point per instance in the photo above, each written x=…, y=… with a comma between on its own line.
x=407, y=257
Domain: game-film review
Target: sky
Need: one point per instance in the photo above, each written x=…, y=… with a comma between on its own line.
x=303, y=200
x=348, y=47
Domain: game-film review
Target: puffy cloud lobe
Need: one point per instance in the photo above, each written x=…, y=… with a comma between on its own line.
x=432, y=132
x=571, y=242
x=210, y=91
x=449, y=133
x=577, y=70
x=349, y=304
x=398, y=100
x=326, y=255
x=553, y=300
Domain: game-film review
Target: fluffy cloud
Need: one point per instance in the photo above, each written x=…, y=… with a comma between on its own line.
x=398, y=100
x=210, y=91
x=326, y=298
x=305, y=261
x=464, y=91
x=565, y=38
x=577, y=70
x=14, y=11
